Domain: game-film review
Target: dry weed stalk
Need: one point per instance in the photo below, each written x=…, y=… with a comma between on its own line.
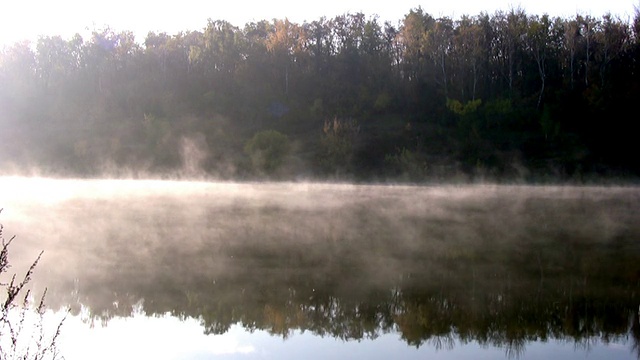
x=22, y=331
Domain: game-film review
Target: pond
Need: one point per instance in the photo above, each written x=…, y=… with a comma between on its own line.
x=194, y=270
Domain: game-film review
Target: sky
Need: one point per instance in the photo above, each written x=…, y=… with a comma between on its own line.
x=167, y=337
x=28, y=19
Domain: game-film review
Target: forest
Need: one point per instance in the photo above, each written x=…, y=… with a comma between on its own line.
x=499, y=97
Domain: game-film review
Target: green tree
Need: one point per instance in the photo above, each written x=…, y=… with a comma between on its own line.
x=268, y=151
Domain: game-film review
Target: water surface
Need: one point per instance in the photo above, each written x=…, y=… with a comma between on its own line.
x=332, y=270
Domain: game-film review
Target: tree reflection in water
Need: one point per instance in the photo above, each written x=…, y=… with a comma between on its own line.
x=501, y=266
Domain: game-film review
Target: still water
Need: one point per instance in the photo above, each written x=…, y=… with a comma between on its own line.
x=200, y=270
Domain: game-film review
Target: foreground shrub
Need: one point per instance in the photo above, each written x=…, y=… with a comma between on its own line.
x=22, y=331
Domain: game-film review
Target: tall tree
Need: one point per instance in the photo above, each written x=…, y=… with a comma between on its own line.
x=613, y=39
x=469, y=48
x=510, y=28
x=587, y=25
x=438, y=45
x=539, y=43
x=412, y=33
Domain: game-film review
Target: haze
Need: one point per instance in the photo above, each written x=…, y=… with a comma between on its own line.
x=348, y=269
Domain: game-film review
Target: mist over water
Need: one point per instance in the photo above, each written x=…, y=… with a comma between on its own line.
x=438, y=267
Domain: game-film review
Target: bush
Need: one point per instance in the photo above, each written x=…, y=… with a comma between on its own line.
x=407, y=164
x=338, y=142
x=268, y=150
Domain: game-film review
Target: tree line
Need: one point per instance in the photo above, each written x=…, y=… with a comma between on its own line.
x=500, y=96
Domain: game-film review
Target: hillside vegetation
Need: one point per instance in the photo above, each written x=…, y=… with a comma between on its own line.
x=499, y=97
